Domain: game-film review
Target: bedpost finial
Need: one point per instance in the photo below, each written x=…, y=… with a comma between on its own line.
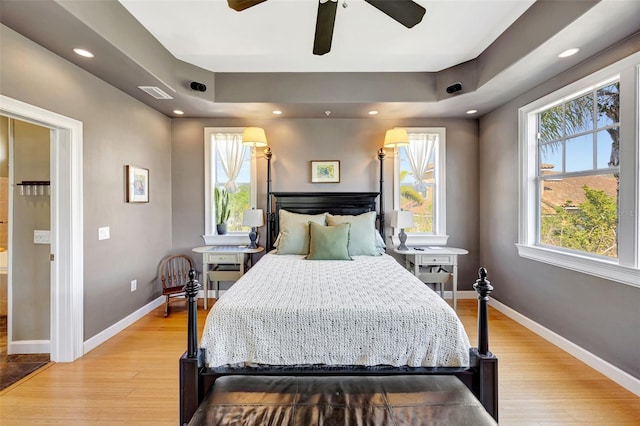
x=482, y=273
x=483, y=285
x=268, y=153
x=193, y=286
x=381, y=154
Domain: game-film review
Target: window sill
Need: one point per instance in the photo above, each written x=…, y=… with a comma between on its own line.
x=232, y=238
x=601, y=268
x=422, y=240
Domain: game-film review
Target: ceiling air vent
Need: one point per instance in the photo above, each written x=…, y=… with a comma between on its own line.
x=155, y=92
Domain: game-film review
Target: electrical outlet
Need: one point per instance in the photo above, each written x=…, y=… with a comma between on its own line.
x=134, y=285
x=104, y=233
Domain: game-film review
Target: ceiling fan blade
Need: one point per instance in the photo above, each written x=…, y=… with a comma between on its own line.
x=407, y=12
x=239, y=5
x=324, y=27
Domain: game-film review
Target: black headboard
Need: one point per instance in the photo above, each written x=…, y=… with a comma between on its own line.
x=337, y=203
x=346, y=203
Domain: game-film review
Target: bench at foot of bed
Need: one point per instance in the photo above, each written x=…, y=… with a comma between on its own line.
x=390, y=400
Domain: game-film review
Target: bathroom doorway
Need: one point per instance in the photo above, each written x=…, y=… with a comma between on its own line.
x=24, y=259
x=66, y=314
x=25, y=211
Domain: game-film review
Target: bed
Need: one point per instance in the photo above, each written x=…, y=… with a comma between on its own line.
x=363, y=315
x=368, y=311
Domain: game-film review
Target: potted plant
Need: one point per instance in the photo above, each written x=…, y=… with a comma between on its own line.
x=221, y=198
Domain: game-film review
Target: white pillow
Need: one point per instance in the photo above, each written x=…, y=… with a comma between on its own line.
x=294, y=231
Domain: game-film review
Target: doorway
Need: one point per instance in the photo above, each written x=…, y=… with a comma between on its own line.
x=66, y=242
x=25, y=223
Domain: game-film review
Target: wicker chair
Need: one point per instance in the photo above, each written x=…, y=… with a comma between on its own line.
x=174, y=274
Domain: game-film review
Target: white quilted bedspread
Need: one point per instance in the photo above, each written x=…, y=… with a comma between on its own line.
x=370, y=311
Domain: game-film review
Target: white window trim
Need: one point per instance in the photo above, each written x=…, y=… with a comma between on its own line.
x=625, y=269
x=439, y=236
x=210, y=235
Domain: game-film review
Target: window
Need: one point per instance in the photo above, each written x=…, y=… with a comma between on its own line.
x=230, y=167
x=419, y=184
x=579, y=181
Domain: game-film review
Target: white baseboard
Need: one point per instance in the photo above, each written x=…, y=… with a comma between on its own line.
x=466, y=294
x=212, y=293
x=622, y=378
x=116, y=328
x=29, y=347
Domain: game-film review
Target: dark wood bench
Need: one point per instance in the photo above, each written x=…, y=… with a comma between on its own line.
x=303, y=401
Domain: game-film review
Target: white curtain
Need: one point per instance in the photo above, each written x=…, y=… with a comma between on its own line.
x=231, y=151
x=419, y=151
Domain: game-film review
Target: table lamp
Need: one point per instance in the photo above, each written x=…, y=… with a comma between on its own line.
x=253, y=218
x=401, y=219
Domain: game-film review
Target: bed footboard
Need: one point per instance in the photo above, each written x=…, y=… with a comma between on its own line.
x=481, y=378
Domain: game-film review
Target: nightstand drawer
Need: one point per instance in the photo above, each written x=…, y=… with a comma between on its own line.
x=434, y=259
x=223, y=258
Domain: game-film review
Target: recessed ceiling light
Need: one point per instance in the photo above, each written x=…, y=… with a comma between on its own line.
x=472, y=111
x=569, y=52
x=373, y=112
x=83, y=52
x=277, y=112
x=178, y=112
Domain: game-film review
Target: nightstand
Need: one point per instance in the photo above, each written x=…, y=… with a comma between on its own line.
x=420, y=257
x=223, y=263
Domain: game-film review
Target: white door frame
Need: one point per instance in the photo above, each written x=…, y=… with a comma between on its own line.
x=67, y=269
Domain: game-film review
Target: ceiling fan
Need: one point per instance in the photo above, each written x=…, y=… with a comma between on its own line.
x=406, y=12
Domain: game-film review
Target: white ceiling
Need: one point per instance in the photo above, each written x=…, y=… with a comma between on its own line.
x=277, y=35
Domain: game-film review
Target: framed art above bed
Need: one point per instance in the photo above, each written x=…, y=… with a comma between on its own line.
x=325, y=171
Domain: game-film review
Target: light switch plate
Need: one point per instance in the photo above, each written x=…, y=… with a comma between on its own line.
x=104, y=233
x=41, y=236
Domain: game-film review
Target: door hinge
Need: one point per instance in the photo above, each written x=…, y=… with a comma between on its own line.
x=51, y=257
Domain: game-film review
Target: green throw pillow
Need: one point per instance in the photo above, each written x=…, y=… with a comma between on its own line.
x=294, y=231
x=329, y=242
x=362, y=236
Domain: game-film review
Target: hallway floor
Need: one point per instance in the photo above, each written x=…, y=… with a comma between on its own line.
x=15, y=367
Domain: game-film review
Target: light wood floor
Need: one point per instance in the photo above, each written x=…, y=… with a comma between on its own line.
x=133, y=380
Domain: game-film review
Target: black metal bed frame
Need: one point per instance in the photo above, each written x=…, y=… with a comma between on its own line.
x=195, y=378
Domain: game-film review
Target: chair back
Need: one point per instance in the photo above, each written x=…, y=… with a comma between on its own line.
x=174, y=271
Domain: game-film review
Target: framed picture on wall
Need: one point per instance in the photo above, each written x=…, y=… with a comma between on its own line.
x=137, y=184
x=325, y=171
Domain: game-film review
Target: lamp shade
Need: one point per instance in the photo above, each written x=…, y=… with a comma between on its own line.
x=253, y=217
x=395, y=138
x=254, y=136
x=401, y=219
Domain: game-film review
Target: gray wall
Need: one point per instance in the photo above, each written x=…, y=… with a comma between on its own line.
x=30, y=265
x=355, y=143
x=118, y=130
x=599, y=315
